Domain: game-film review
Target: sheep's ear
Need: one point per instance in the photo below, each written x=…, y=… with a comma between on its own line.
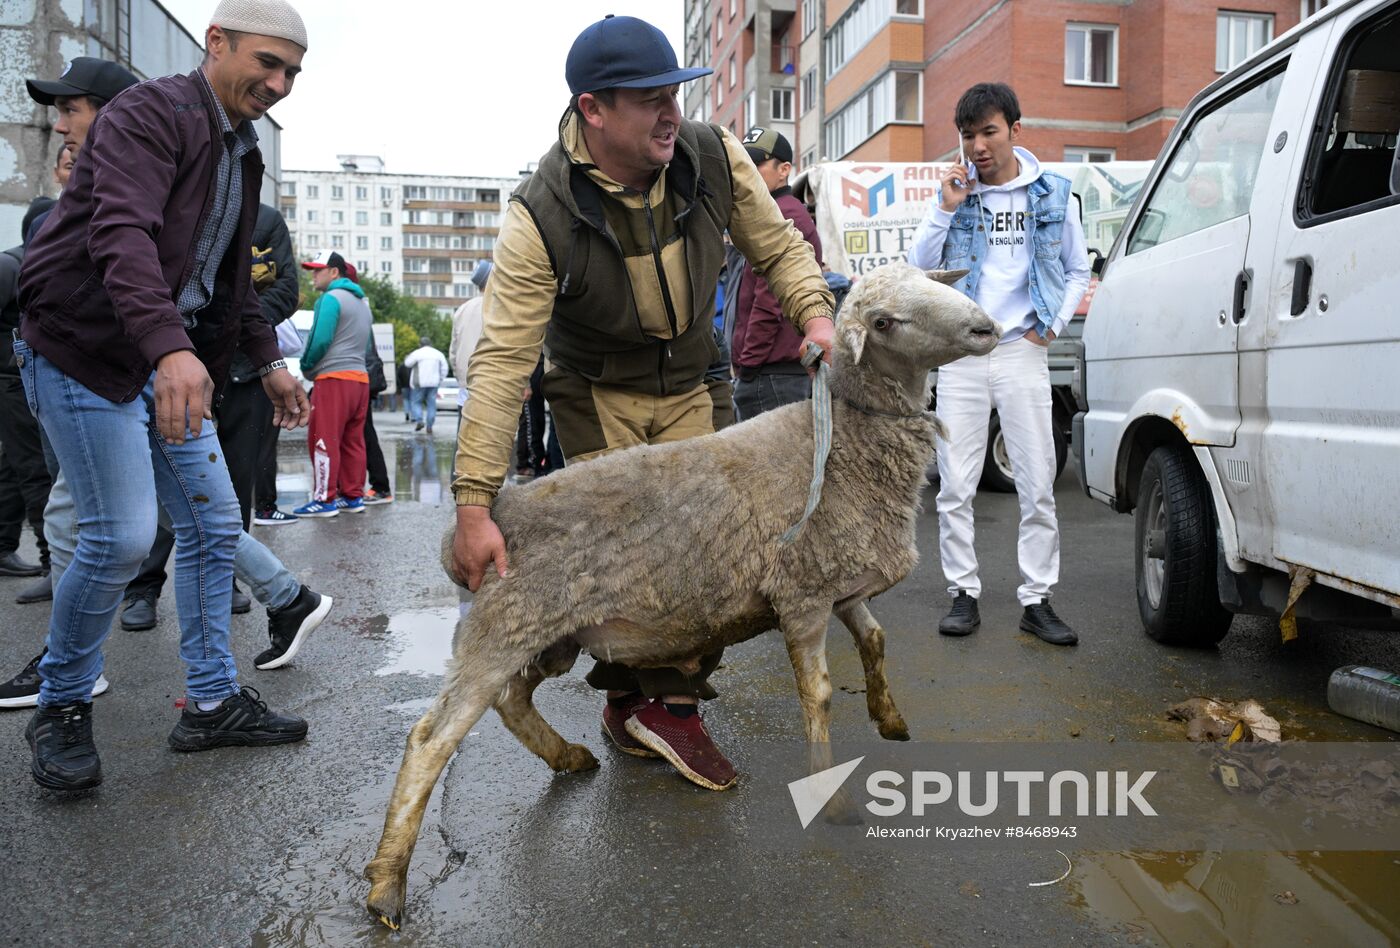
x=854, y=334
x=948, y=277
x=940, y=429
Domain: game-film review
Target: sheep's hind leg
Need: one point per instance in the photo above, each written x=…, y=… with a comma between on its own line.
x=523, y=719
x=805, y=634
x=870, y=641
x=459, y=705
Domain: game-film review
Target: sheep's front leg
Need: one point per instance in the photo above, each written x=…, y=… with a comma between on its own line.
x=870, y=642
x=805, y=635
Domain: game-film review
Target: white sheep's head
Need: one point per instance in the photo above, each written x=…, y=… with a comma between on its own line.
x=899, y=317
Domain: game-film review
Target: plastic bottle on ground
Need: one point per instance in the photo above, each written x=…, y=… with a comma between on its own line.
x=1366, y=694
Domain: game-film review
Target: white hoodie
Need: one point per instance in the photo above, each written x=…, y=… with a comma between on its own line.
x=1004, y=290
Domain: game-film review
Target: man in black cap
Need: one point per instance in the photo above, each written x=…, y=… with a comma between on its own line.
x=766, y=350
x=639, y=198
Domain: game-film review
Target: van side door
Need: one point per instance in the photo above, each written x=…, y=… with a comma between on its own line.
x=1331, y=445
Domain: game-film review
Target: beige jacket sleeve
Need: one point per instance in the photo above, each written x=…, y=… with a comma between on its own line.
x=518, y=303
x=773, y=245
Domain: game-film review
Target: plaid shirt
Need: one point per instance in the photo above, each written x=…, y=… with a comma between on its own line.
x=222, y=222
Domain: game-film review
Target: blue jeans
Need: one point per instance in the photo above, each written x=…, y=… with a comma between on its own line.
x=423, y=402
x=769, y=390
x=110, y=454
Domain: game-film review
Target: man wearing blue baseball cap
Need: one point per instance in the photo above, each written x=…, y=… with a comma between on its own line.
x=608, y=259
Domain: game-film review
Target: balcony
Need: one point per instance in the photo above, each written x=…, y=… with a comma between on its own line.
x=784, y=59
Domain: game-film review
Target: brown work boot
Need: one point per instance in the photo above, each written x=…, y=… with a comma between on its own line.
x=685, y=743
x=616, y=714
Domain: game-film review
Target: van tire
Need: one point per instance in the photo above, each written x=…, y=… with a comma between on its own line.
x=996, y=466
x=1177, y=594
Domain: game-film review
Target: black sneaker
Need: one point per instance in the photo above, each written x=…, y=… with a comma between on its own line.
x=40, y=590
x=963, y=618
x=22, y=691
x=1039, y=619
x=241, y=604
x=243, y=720
x=12, y=565
x=288, y=627
x=65, y=758
x=139, y=614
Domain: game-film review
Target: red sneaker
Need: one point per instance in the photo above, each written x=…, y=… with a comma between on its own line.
x=685, y=743
x=615, y=725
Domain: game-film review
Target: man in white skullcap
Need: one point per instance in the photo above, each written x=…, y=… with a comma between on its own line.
x=135, y=296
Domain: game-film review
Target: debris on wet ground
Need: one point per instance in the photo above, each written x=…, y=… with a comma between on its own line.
x=970, y=890
x=1286, y=898
x=1069, y=867
x=851, y=691
x=1209, y=720
x=1366, y=795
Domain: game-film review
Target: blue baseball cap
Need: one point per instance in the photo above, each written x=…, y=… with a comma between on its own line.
x=623, y=52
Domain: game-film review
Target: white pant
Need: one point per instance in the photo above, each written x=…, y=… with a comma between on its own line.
x=1013, y=378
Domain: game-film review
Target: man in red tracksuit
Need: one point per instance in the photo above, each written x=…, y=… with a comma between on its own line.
x=766, y=348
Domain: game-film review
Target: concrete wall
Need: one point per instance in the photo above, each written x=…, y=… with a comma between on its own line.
x=37, y=38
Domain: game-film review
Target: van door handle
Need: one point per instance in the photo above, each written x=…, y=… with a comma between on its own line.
x=1302, y=287
x=1241, y=291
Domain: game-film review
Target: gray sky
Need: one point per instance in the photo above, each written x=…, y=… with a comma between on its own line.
x=431, y=86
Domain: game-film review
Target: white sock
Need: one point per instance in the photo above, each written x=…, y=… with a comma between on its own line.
x=208, y=705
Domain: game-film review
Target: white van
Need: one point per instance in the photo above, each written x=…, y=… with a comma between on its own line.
x=1239, y=380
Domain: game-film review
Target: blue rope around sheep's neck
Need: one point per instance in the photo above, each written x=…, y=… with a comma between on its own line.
x=821, y=432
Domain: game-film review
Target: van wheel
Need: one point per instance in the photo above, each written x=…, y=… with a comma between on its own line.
x=996, y=467
x=1176, y=553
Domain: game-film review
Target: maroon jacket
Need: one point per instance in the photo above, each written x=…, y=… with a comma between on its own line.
x=762, y=334
x=100, y=280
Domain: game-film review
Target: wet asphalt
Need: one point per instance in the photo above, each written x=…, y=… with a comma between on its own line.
x=265, y=847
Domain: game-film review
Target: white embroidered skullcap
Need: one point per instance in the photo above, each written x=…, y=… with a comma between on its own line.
x=263, y=17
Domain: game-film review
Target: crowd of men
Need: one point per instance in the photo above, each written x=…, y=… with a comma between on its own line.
x=145, y=305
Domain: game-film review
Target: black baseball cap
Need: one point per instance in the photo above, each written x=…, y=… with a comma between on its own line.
x=623, y=52
x=329, y=258
x=765, y=143
x=85, y=75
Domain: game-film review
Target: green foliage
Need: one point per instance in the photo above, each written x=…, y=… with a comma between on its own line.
x=412, y=318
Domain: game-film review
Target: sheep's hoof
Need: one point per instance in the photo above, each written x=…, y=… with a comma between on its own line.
x=385, y=903
x=894, y=729
x=575, y=758
x=841, y=810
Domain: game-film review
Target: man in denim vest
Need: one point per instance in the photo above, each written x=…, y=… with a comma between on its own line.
x=1012, y=226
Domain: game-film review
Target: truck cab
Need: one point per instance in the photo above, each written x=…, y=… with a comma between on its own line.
x=1239, y=378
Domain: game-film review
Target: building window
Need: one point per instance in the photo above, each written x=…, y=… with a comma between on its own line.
x=386, y=219
x=386, y=194
x=415, y=193
x=337, y=217
x=386, y=266
x=809, y=158
x=719, y=94
x=362, y=218
x=311, y=217
x=810, y=10
x=1310, y=7
x=362, y=266
x=1082, y=155
x=362, y=243
x=751, y=108
x=782, y=105
x=809, y=90
x=733, y=72
x=313, y=241
x=337, y=193
x=463, y=265
x=386, y=243
x=462, y=290
x=894, y=97
x=857, y=26
x=1091, y=55
x=361, y=193
x=289, y=189
x=719, y=29
x=733, y=8
x=909, y=7
x=290, y=212
x=337, y=241
x=1239, y=36
x=312, y=191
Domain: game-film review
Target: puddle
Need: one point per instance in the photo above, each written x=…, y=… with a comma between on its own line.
x=1238, y=898
x=416, y=707
x=420, y=468
x=420, y=642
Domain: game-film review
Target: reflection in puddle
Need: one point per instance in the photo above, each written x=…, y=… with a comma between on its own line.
x=420, y=642
x=1343, y=898
x=420, y=468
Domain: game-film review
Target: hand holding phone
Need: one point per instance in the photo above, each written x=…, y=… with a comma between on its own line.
x=956, y=181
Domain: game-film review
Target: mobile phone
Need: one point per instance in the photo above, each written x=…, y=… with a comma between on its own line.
x=967, y=165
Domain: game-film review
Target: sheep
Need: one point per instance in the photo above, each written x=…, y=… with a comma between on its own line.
x=655, y=555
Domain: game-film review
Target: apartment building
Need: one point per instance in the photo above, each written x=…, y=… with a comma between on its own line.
x=424, y=233
x=877, y=80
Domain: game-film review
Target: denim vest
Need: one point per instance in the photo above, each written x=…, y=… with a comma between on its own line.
x=966, y=245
